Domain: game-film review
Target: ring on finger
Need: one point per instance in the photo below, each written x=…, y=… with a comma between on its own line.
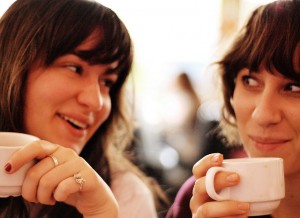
x=79, y=180
x=54, y=159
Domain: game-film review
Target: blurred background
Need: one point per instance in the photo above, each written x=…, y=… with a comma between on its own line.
x=173, y=81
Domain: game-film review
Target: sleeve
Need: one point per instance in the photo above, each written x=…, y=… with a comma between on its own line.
x=181, y=205
x=134, y=197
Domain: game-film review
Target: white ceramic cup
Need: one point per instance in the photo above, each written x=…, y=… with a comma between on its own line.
x=261, y=183
x=11, y=184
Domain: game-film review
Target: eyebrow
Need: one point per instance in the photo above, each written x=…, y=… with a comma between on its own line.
x=77, y=54
x=109, y=70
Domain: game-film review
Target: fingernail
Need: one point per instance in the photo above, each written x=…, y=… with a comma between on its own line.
x=243, y=206
x=232, y=177
x=7, y=167
x=215, y=158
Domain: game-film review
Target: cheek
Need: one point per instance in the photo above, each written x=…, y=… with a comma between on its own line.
x=105, y=111
x=241, y=105
x=33, y=106
x=243, y=112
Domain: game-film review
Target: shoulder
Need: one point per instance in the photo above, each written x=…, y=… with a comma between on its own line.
x=180, y=207
x=133, y=196
x=129, y=182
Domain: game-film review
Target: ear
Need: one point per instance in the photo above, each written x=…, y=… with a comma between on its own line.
x=231, y=102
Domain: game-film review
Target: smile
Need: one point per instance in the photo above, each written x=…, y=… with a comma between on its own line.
x=75, y=123
x=267, y=141
x=268, y=144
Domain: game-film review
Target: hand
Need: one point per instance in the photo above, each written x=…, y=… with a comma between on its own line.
x=52, y=179
x=201, y=204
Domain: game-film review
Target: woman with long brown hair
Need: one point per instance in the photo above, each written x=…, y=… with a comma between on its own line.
x=63, y=68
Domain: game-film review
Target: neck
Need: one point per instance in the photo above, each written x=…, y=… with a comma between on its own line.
x=289, y=206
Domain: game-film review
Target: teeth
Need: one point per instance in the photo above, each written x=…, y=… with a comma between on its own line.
x=74, y=122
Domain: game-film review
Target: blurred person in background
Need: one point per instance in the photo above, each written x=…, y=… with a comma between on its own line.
x=180, y=123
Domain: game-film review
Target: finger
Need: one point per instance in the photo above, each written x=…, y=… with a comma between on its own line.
x=36, y=150
x=199, y=196
x=223, y=209
x=31, y=181
x=222, y=180
x=67, y=187
x=42, y=178
x=49, y=182
x=201, y=167
x=199, y=191
x=225, y=179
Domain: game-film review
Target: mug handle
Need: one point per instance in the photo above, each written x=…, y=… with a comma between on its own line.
x=209, y=184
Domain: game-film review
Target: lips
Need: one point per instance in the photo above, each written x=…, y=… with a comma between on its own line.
x=262, y=140
x=75, y=123
x=268, y=143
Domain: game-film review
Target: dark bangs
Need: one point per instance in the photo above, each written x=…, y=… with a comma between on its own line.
x=78, y=22
x=115, y=45
x=277, y=41
x=270, y=39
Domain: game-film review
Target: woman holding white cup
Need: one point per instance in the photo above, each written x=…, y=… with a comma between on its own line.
x=261, y=91
x=63, y=71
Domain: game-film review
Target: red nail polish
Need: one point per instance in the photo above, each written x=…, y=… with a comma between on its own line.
x=7, y=167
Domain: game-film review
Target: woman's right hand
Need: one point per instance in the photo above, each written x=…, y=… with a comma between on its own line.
x=201, y=204
x=62, y=175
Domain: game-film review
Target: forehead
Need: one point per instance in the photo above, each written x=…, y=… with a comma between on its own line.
x=90, y=43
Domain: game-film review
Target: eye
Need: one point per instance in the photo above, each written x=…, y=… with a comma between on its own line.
x=293, y=87
x=108, y=83
x=249, y=81
x=75, y=68
x=109, y=80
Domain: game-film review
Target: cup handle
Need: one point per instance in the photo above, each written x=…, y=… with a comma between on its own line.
x=209, y=184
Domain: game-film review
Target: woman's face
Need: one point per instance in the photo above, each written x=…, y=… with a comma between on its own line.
x=67, y=101
x=268, y=116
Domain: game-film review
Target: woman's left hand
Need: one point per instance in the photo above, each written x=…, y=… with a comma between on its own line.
x=62, y=175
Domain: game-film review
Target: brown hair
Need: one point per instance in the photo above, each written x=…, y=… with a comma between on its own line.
x=270, y=38
x=43, y=30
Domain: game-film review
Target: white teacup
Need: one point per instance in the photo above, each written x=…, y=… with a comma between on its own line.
x=11, y=184
x=261, y=183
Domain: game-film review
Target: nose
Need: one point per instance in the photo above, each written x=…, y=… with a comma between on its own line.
x=90, y=96
x=267, y=110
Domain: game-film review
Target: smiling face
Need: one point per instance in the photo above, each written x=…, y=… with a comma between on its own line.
x=67, y=101
x=267, y=114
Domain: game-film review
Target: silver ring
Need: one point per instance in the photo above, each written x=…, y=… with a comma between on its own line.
x=54, y=159
x=79, y=180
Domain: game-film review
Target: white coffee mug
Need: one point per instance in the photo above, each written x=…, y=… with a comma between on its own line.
x=11, y=184
x=261, y=183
